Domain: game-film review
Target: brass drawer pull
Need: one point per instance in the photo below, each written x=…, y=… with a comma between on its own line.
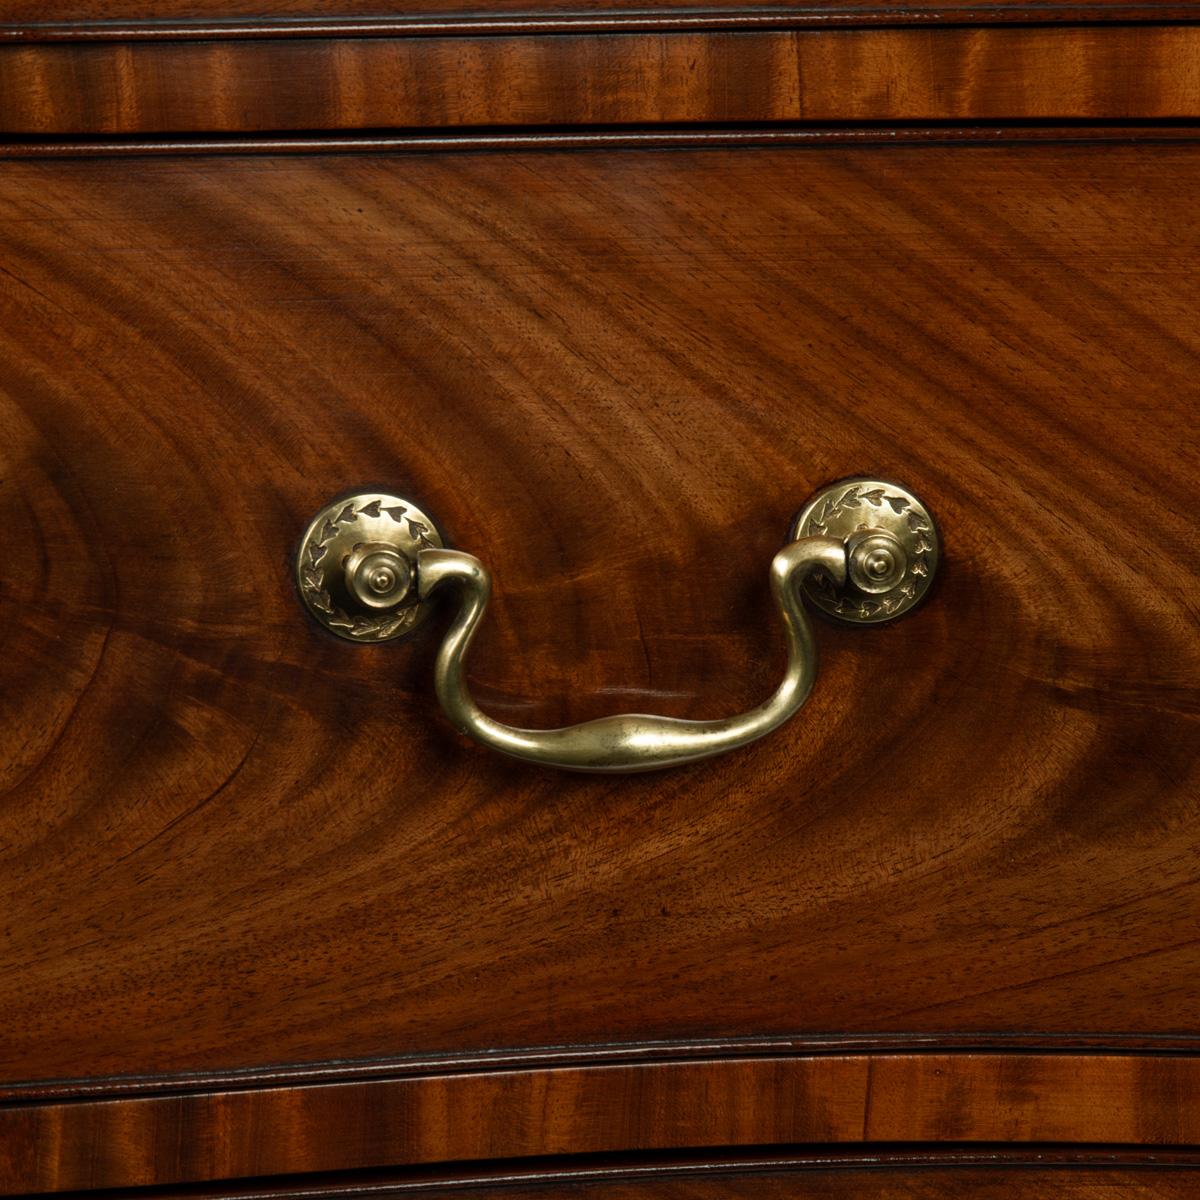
x=863, y=551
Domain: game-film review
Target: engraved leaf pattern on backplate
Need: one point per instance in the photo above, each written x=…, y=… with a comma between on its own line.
x=919, y=567
x=375, y=627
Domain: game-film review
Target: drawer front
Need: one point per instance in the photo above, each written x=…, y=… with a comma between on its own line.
x=615, y=377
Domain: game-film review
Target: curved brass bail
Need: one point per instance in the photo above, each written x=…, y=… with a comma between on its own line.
x=628, y=741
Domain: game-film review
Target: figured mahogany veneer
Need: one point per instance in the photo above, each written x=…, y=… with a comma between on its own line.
x=995, y=73
x=230, y=841
x=586, y=1110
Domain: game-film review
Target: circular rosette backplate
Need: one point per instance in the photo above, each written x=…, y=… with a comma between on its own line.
x=356, y=567
x=892, y=548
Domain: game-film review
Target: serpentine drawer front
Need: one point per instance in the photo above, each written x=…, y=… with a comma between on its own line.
x=722, y=340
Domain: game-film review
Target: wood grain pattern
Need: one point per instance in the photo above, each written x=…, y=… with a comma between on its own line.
x=516, y=1114
x=946, y=74
x=231, y=841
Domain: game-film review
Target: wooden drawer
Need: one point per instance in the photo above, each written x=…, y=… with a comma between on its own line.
x=266, y=914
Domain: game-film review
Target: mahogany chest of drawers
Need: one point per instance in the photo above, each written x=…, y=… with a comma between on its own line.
x=315, y=317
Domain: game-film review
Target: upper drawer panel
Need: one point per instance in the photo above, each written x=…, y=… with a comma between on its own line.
x=171, y=80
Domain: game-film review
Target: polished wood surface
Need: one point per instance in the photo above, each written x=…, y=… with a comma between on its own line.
x=728, y=1102
x=305, y=83
x=231, y=841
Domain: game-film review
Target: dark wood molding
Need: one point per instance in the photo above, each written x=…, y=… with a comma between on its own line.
x=553, y=1057
x=608, y=139
x=663, y=19
x=795, y=1173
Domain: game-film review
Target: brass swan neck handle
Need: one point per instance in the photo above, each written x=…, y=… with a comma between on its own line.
x=862, y=551
x=628, y=741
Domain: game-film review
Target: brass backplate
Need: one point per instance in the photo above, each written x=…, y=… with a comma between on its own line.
x=356, y=566
x=892, y=543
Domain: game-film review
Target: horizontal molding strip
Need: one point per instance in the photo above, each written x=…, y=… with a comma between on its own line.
x=1101, y=72
x=541, y=1057
x=1115, y=1166
x=662, y=19
x=813, y=1100
x=664, y=138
